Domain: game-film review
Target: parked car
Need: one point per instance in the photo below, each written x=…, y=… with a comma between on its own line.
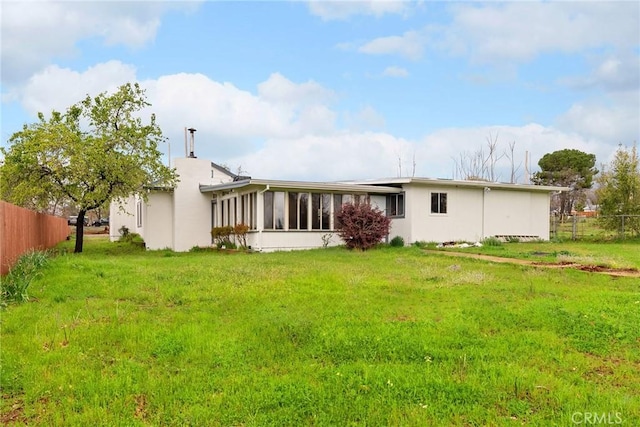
x=73, y=220
x=101, y=222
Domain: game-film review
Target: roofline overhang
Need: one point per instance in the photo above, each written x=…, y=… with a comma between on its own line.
x=299, y=185
x=463, y=183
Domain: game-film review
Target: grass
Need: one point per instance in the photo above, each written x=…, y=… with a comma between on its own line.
x=119, y=336
x=611, y=254
x=587, y=228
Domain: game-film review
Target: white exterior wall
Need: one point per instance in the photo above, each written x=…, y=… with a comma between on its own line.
x=122, y=214
x=463, y=220
x=158, y=221
x=191, y=208
x=281, y=240
x=472, y=214
x=517, y=213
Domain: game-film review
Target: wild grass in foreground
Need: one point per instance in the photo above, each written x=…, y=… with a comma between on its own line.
x=324, y=337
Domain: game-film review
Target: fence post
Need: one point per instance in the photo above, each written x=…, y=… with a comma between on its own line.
x=574, y=228
x=622, y=221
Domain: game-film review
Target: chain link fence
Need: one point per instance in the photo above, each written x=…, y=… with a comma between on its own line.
x=578, y=227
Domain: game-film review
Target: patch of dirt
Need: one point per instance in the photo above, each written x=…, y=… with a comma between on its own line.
x=618, y=272
x=14, y=413
x=141, y=407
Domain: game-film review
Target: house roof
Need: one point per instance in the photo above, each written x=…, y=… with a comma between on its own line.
x=299, y=185
x=381, y=186
x=459, y=183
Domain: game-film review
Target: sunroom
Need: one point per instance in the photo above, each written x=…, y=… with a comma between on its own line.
x=285, y=215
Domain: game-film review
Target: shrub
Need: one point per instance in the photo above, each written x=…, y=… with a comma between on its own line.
x=124, y=232
x=491, y=241
x=222, y=236
x=326, y=239
x=14, y=285
x=131, y=238
x=241, y=230
x=397, y=242
x=362, y=226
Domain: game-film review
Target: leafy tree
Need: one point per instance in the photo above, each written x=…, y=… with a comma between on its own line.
x=567, y=168
x=362, y=226
x=99, y=150
x=619, y=191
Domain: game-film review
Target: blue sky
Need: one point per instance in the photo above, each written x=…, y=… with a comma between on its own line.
x=341, y=90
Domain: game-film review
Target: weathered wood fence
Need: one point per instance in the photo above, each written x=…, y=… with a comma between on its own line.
x=22, y=230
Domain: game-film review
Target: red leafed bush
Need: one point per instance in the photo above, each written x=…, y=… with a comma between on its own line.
x=362, y=226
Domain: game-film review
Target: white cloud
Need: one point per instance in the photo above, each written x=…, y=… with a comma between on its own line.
x=56, y=88
x=446, y=145
x=612, y=125
x=340, y=10
x=341, y=156
x=394, y=71
x=287, y=130
x=614, y=72
x=279, y=89
x=365, y=119
x=519, y=31
x=35, y=32
x=410, y=45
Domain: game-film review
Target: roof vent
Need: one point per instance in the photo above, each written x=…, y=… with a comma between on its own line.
x=191, y=150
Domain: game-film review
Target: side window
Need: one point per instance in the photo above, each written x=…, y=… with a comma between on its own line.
x=274, y=210
x=395, y=205
x=439, y=203
x=139, y=213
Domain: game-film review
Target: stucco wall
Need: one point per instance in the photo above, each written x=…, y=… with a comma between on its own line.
x=269, y=241
x=473, y=214
x=192, y=209
x=517, y=213
x=463, y=220
x=122, y=214
x=158, y=221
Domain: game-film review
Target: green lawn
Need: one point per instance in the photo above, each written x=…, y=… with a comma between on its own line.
x=624, y=254
x=392, y=336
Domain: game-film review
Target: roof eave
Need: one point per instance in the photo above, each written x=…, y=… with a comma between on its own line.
x=299, y=185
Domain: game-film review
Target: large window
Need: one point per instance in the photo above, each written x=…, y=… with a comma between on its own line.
x=439, y=203
x=298, y=211
x=228, y=212
x=248, y=210
x=306, y=211
x=320, y=211
x=395, y=205
x=274, y=210
x=337, y=207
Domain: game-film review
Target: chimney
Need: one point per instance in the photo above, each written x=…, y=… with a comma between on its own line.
x=192, y=131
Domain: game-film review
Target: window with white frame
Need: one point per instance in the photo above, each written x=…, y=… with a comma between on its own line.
x=297, y=210
x=439, y=203
x=273, y=210
x=139, y=213
x=395, y=205
x=320, y=211
x=248, y=210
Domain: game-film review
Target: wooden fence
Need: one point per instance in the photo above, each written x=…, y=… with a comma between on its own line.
x=22, y=230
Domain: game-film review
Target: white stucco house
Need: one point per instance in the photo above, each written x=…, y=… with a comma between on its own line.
x=285, y=215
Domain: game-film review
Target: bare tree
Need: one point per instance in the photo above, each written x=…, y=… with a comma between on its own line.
x=413, y=165
x=480, y=165
x=514, y=169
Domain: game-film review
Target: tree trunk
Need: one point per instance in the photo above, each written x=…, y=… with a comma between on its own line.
x=79, y=231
